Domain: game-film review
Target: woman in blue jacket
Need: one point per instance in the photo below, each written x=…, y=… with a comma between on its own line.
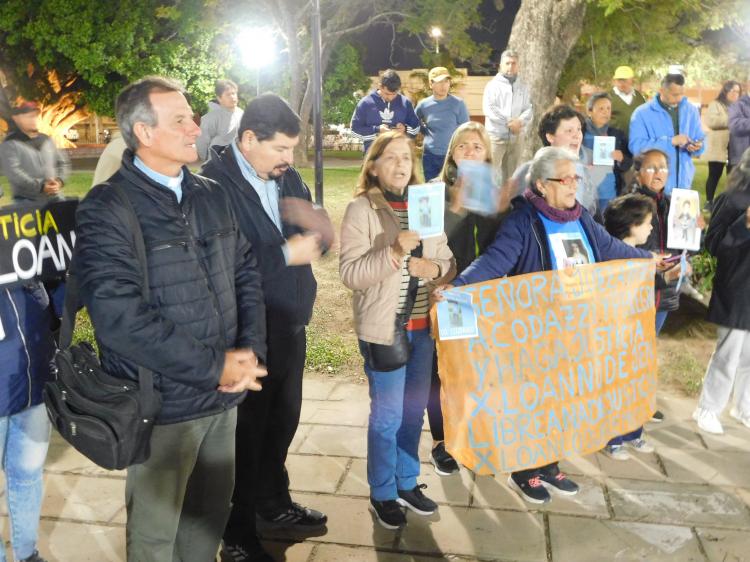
x=542, y=232
x=26, y=351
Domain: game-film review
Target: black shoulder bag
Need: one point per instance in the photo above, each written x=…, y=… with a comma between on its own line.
x=382, y=357
x=108, y=419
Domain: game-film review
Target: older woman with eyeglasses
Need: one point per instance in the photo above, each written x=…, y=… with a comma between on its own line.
x=531, y=239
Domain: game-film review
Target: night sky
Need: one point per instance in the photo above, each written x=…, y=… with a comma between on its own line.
x=383, y=52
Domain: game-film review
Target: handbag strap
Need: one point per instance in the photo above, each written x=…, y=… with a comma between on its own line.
x=72, y=292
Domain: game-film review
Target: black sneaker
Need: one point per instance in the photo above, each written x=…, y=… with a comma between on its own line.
x=530, y=490
x=416, y=500
x=388, y=513
x=34, y=558
x=556, y=480
x=444, y=463
x=295, y=517
x=657, y=417
x=248, y=552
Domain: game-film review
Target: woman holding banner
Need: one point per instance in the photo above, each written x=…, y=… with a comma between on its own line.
x=469, y=233
x=388, y=267
x=529, y=240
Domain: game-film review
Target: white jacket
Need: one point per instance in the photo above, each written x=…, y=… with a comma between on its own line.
x=502, y=102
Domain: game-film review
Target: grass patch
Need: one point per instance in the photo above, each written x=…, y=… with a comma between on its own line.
x=328, y=353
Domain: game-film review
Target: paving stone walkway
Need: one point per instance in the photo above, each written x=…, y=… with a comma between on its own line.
x=688, y=501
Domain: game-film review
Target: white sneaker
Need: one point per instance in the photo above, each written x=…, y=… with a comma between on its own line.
x=708, y=421
x=616, y=452
x=640, y=445
x=744, y=420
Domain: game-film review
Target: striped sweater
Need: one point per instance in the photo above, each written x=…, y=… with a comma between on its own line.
x=419, y=318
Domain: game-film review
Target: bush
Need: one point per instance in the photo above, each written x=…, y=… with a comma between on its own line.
x=704, y=269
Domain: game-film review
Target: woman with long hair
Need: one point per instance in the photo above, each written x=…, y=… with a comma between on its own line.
x=388, y=268
x=469, y=234
x=717, y=121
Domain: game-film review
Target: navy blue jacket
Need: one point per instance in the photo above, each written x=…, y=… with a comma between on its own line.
x=521, y=246
x=27, y=315
x=205, y=294
x=289, y=291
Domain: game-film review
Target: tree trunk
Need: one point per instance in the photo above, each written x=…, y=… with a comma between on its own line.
x=544, y=32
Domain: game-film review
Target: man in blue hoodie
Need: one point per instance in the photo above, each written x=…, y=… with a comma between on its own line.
x=383, y=110
x=672, y=124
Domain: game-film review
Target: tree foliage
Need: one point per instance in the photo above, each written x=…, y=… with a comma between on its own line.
x=650, y=34
x=76, y=54
x=344, y=83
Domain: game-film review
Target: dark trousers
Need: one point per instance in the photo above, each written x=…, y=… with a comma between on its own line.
x=266, y=423
x=715, y=169
x=434, y=409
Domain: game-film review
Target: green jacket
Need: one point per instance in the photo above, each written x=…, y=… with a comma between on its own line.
x=621, y=112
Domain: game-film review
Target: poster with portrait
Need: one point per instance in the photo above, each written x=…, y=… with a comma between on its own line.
x=426, y=209
x=683, y=232
x=570, y=249
x=480, y=194
x=456, y=316
x=603, y=149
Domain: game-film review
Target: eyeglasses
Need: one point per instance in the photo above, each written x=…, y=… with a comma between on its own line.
x=652, y=170
x=567, y=180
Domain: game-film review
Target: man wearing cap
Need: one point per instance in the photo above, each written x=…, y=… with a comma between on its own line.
x=35, y=168
x=625, y=99
x=383, y=110
x=440, y=115
x=507, y=109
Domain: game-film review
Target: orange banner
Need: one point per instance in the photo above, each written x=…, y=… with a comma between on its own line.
x=564, y=361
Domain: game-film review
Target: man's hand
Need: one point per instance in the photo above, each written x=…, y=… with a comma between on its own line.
x=406, y=241
x=303, y=248
x=680, y=140
x=694, y=146
x=241, y=371
x=515, y=126
x=617, y=155
x=302, y=213
x=400, y=127
x=52, y=186
x=423, y=268
x=384, y=128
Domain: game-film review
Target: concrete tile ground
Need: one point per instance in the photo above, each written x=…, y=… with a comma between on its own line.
x=689, y=500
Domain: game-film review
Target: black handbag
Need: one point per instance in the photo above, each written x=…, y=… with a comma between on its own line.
x=386, y=358
x=108, y=419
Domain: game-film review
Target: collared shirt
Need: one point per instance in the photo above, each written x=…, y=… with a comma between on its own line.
x=267, y=190
x=627, y=98
x=175, y=184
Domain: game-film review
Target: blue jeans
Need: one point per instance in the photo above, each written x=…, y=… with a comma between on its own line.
x=431, y=165
x=661, y=317
x=397, y=402
x=24, y=438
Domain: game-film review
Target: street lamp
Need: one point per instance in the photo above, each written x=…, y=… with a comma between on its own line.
x=257, y=48
x=436, y=33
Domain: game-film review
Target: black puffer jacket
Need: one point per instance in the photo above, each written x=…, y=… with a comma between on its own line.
x=728, y=239
x=289, y=291
x=204, y=282
x=667, y=297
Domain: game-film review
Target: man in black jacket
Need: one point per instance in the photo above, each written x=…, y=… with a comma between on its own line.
x=201, y=332
x=255, y=172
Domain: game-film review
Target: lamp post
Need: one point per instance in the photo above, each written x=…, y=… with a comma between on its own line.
x=436, y=33
x=257, y=48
